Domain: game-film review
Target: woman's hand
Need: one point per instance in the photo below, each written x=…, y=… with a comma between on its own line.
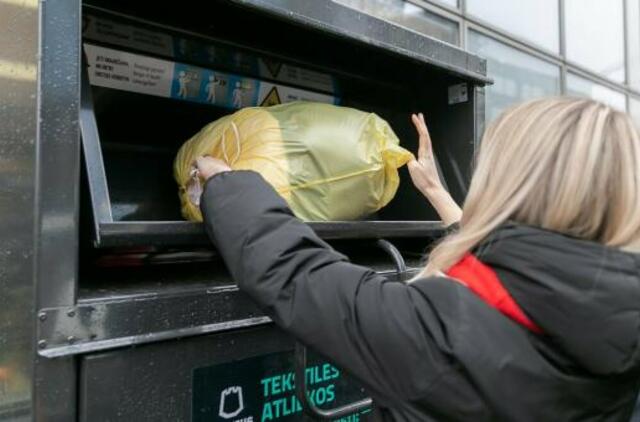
x=424, y=172
x=209, y=166
x=425, y=177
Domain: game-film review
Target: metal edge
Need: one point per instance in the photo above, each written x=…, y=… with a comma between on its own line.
x=92, y=151
x=113, y=14
x=302, y=393
x=108, y=344
x=57, y=194
x=123, y=320
x=429, y=45
x=181, y=233
x=116, y=321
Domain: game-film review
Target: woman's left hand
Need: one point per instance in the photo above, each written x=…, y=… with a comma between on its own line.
x=424, y=174
x=209, y=166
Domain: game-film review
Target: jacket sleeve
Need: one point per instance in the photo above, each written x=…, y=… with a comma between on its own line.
x=386, y=334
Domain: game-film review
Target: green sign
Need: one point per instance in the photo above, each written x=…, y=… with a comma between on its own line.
x=262, y=389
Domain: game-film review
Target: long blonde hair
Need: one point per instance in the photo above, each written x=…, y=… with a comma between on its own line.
x=564, y=164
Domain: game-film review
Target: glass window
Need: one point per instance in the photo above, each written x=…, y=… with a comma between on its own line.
x=595, y=36
x=582, y=87
x=452, y=3
x=517, y=76
x=409, y=16
x=532, y=20
x=633, y=42
x=634, y=110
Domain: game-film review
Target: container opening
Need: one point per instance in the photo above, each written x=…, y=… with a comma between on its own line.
x=140, y=127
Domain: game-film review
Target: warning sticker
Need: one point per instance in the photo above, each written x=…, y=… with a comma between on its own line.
x=262, y=389
x=272, y=98
x=270, y=93
x=116, y=69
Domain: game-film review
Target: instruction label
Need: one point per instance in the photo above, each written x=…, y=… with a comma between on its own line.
x=262, y=389
x=194, y=50
x=130, y=72
x=116, y=69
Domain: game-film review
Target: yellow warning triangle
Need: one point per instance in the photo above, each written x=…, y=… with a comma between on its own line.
x=272, y=98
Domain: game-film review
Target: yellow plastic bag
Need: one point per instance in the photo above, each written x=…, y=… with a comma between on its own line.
x=327, y=162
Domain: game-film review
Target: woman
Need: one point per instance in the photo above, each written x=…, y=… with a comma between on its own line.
x=530, y=311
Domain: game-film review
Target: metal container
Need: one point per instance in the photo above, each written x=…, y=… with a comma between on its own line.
x=115, y=308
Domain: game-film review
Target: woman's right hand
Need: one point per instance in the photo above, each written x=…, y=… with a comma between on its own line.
x=208, y=166
x=425, y=177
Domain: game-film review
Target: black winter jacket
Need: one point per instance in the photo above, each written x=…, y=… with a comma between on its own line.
x=432, y=350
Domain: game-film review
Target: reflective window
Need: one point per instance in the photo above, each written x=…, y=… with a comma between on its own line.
x=595, y=36
x=517, y=76
x=633, y=42
x=532, y=20
x=453, y=3
x=577, y=85
x=409, y=16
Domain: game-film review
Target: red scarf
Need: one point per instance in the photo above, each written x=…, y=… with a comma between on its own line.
x=484, y=282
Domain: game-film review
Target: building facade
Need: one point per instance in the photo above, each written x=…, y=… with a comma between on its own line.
x=535, y=47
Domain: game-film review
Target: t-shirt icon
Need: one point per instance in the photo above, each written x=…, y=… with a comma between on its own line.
x=231, y=402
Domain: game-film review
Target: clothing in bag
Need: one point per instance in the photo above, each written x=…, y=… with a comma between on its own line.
x=327, y=162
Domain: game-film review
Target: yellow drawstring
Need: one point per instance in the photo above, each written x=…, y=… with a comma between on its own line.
x=236, y=133
x=194, y=185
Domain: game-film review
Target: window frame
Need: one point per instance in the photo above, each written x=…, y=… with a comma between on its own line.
x=467, y=21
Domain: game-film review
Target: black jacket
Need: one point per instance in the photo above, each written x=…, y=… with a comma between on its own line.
x=432, y=350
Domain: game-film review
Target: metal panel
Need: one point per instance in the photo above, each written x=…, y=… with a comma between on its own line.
x=334, y=18
x=18, y=61
x=142, y=319
x=57, y=192
x=151, y=315
x=156, y=382
x=175, y=233
x=58, y=152
x=98, y=190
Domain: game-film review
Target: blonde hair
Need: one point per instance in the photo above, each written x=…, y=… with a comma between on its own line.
x=564, y=164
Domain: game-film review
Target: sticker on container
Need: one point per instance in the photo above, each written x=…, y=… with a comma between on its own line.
x=272, y=98
x=130, y=72
x=116, y=69
x=243, y=92
x=179, y=48
x=262, y=389
x=458, y=94
x=271, y=94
